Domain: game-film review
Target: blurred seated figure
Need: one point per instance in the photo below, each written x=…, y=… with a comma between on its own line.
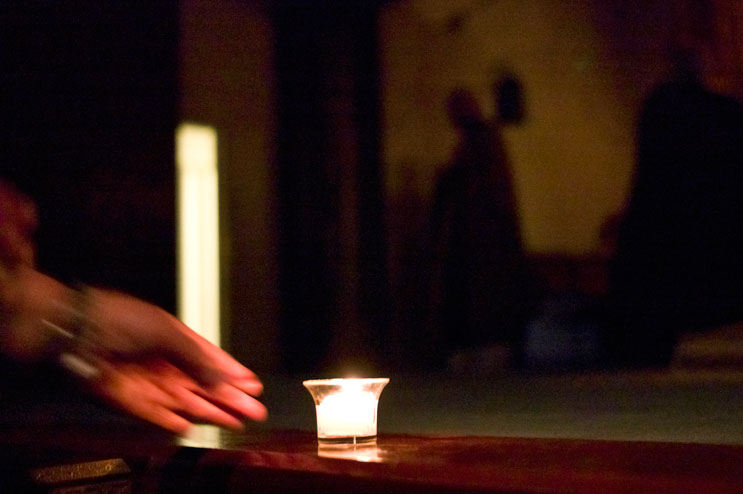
x=678, y=264
x=130, y=354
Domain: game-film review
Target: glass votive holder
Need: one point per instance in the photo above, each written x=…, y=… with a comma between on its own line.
x=346, y=409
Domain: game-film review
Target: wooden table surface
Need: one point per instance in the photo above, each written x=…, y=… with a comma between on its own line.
x=52, y=459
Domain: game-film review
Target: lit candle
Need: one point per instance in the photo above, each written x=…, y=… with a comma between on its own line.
x=350, y=413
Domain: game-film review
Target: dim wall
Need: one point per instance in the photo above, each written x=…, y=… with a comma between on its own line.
x=226, y=80
x=585, y=67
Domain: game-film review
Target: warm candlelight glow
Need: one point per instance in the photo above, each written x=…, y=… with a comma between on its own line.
x=346, y=408
x=349, y=413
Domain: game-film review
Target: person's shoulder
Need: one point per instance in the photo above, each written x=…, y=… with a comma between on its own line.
x=690, y=91
x=684, y=100
x=674, y=92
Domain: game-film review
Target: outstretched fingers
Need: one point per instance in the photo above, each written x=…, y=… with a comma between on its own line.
x=196, y=405
x=132, y=389
x=206, y=363
x=164, y=395
x=239, y=403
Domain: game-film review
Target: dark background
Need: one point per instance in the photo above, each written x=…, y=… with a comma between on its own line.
x=89, y=110
x=89, y=106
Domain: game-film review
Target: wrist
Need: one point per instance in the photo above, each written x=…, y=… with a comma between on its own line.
x=72, y=331
x=45, y=320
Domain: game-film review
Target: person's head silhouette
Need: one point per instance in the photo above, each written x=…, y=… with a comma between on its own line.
x=463, y=109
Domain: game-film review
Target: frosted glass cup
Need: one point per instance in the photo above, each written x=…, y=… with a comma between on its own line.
x=346, y=409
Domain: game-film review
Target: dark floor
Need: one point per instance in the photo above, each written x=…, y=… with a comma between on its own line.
x=675, y=405
x=698, y=399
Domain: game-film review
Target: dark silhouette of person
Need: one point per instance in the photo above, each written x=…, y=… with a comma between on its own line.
x=481, y=267
x=678, y=265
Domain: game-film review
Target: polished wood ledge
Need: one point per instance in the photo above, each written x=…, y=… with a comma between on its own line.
x=121, y=460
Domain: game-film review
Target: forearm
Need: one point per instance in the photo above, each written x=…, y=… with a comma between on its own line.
x=29, y=299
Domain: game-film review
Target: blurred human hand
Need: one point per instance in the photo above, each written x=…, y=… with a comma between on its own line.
x=133, y=354
x=140, y=358
x=154, y=367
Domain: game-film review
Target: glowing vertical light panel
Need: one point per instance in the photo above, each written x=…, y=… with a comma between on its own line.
x=198, y=229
